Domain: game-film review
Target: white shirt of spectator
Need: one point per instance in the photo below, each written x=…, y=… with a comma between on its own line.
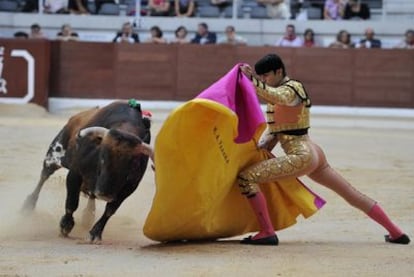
x=56, y=5
x=283, y=42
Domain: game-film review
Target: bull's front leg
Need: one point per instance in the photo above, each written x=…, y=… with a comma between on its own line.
x=73, y=185
x=95, y=234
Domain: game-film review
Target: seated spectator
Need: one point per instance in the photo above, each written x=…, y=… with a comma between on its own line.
x=156, y=36
x=67, y=34
x=203, y=35
x=232, y=38
x=159, y=7
x=78, y=6
x=369, y=41
x=334, y=9
x=354, y=9
x=408, y=42
x=290, y=39
x=36, y=32
x=127, y=34
x=343, y=40
x=184, y=8
x=278, y=9
x=181, y=35
x=21, y=35
x=56, y=6
x=309, y=38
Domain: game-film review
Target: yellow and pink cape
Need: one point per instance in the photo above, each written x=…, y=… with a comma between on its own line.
x=200, y=149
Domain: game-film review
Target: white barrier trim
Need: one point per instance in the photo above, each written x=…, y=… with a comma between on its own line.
x=56, y=104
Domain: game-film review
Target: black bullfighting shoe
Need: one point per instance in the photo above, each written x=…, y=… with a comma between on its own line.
x=403, y=239
x=272, y=240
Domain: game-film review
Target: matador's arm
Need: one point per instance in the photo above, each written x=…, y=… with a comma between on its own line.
x=283, y=95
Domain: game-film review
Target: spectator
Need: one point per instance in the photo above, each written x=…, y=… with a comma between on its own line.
x=232, y=38
x=309, y=38
x=181, y=35
x=156, y=36
x=159, y=7
x=203, y=35
x=333, y=9
x=21, y=35
x=127, y=34
x=290, y=39
x=369, y=41
x=278, y=9
x=66, y=34
x=343, y=40
x=408, y=42
x=184, y=8
x=36, y=32
x=56, y=6
x=354, y=9
x=78, y=6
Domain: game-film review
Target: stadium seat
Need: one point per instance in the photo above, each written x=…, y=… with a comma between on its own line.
x=9, y=6
x=259, y=12
x=314, y=13
x=109, y=9
x=208, y=11
x=228, y=12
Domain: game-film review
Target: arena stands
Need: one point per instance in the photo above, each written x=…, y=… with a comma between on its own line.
x=390, y=19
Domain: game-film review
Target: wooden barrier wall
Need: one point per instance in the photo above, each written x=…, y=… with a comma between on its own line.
x=351, y=77
x=345, y=77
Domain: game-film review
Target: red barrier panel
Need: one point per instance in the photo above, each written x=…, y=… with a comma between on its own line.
x=24, y=71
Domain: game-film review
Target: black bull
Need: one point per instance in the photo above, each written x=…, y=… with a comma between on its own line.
x=106, y=153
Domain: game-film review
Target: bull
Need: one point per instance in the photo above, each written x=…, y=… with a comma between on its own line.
x=106, y=152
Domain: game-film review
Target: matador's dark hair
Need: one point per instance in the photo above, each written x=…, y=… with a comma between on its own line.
x=270, y=62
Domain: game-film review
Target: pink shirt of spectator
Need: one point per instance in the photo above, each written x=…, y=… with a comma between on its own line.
x=333, y=9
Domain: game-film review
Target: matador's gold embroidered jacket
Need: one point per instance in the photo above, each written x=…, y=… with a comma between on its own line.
x=287, y=105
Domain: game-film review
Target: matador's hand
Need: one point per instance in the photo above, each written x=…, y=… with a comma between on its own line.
x=267, y=141
x=247, y=70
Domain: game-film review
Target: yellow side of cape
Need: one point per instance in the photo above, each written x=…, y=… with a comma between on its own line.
x=197, y=162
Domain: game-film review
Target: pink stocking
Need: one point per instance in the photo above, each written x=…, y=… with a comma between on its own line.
x=259, y=205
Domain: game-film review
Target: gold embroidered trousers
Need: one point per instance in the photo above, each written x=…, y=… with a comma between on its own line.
x=300, y=159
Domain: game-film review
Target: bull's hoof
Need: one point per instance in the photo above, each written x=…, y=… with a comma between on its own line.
x=95, y=237
x=66, y=225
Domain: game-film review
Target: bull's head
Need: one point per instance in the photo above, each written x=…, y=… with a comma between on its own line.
x=122, y=160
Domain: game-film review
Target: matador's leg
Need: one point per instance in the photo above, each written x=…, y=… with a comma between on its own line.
x=328, y=177
x=297, y=161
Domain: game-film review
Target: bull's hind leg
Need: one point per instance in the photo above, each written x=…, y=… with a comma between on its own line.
x=51, y=163
x=73, y=186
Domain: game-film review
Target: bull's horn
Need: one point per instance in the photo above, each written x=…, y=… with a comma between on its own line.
x=98, y=130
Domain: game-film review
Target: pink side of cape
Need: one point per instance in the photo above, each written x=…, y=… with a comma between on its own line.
x=235, y=91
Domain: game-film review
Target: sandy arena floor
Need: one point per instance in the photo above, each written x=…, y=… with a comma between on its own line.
x=338, y=241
